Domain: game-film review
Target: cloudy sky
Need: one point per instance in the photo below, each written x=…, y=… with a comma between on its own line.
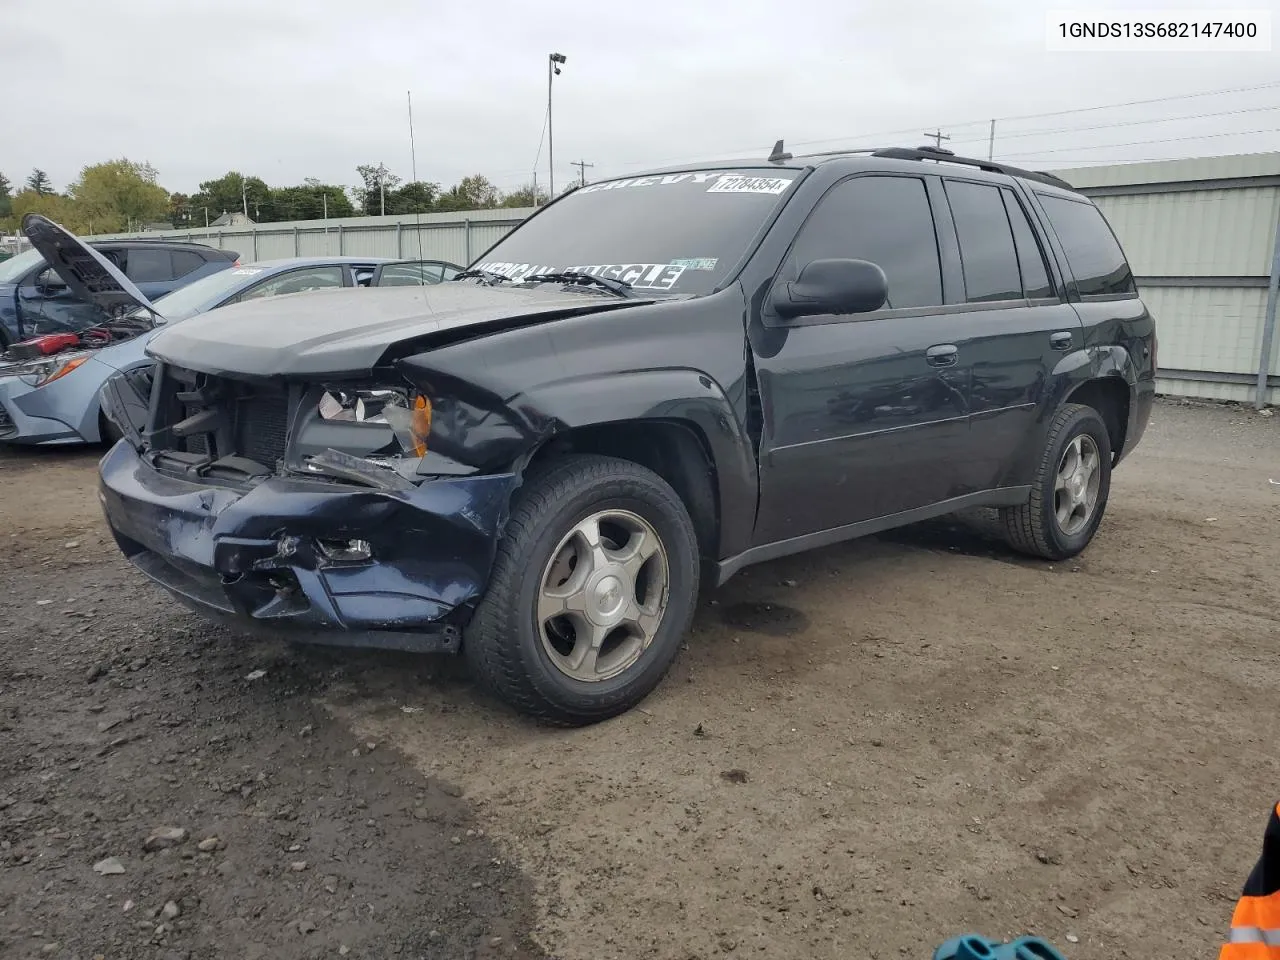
x=288, y=89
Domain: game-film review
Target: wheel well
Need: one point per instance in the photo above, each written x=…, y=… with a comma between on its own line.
x=1110, y=397
x=674, y=451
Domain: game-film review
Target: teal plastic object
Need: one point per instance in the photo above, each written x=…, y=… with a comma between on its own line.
x=973, y=947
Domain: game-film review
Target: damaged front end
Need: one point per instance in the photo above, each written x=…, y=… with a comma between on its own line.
x=309, y=508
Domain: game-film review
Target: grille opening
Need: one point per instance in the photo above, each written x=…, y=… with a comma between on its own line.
x=252, y=422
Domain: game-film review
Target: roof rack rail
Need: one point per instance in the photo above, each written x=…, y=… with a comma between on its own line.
x=947, y=156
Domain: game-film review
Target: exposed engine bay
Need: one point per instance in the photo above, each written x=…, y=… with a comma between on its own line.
x=92, y=338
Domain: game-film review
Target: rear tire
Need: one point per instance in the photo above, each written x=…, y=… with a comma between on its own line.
x=1070, y=489
x=593, y=588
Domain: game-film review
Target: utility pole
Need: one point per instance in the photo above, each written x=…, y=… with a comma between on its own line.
x=244, y=196
x=553, y=69
x=938, y=137
x=382, y=191
x=991, y=142
x=582, y=170
x=535, y=188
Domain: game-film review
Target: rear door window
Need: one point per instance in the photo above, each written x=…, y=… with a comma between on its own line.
x=1092, y=251
x=987, y=252
x=143, y=265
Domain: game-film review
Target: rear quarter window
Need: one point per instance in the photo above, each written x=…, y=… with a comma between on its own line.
x=1092, y=251
x=185, y=262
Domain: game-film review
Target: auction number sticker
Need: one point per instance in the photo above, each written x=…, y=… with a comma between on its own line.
x=738, y=183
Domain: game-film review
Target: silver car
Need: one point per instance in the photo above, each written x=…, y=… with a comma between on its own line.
x=53, y=398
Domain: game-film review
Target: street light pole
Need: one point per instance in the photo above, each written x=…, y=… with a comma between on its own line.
x=553, y=68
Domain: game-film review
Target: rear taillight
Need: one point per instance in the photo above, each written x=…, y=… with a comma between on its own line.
x=44, y=346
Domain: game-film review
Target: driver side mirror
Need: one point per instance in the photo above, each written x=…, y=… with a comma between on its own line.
x=837, y=287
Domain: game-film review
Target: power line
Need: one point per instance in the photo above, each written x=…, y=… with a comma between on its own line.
x=542, y=139
x=875, y=136
x=1139, y=143
x=1130, y=123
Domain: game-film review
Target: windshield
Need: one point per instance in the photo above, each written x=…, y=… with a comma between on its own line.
x=205, y=293
x=15, y=268
x=678, y=233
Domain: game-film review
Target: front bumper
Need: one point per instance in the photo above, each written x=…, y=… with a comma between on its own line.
x=64, y=411
x=18, y=426
x=255, y=559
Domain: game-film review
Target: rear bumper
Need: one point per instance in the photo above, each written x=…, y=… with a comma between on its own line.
x=255, y=558
x=1144, y=395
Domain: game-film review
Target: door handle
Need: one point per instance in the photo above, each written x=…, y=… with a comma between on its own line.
x=942, y=355
x=1061, y=340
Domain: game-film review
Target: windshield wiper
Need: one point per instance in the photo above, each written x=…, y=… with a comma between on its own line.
x=619, y=287
x=488, y=276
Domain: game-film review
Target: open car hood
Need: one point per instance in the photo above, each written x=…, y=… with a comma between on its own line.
x=349, y=331
x=87, y=273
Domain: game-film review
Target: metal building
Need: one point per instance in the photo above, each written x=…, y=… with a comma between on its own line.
x=1201, y=236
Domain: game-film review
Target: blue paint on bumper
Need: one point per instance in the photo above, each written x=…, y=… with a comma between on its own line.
x=254, y=556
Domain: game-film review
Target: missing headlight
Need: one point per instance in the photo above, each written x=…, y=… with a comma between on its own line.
x=361, y=406
x=383, y=426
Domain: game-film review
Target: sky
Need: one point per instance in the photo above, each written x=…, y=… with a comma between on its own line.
x=288, y=89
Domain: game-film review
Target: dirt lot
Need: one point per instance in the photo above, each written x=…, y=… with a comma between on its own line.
x=863, y=751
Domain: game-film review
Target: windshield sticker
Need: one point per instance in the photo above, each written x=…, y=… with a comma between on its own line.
x=736, y=183
x=661, y=181
x=246, y=271
x=697, y=263
x=516, y=271
x=641, y=276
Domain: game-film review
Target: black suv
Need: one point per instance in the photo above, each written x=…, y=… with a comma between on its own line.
x=650, y=384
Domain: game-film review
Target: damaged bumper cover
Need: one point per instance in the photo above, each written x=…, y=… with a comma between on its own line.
x=326, y=562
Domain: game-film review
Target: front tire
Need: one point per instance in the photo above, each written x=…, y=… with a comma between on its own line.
x=1070, y=489
x=593, y=587
x=108, y=432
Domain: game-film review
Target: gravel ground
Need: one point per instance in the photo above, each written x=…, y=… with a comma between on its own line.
x=863, y=751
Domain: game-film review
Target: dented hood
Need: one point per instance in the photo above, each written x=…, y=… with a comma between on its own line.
x=89, y=275
x=347, y=332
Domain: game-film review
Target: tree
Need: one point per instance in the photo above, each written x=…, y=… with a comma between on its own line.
x=224, y=195
x=416, y=197
x=179, y=210
x=38, y=182
x=310, y=201
x=57, y=208
x=6, y=200
x=526, y=196
x=376, y=181
x=119, y=193
x=470, y=193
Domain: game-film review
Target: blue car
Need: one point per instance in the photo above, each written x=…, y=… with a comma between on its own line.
x=35, y=300
x=54, y=398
